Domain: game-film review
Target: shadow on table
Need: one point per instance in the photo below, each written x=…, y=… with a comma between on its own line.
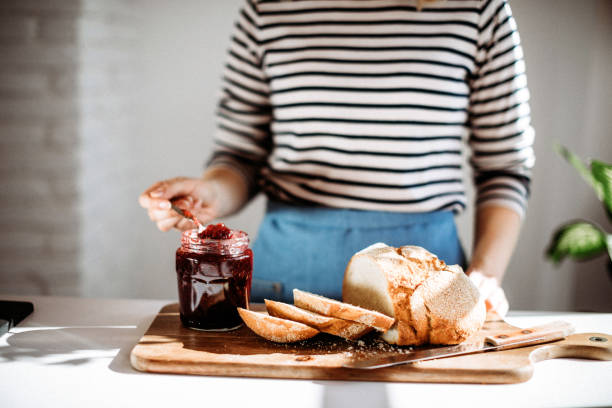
x=65, y=342
x=71, y=345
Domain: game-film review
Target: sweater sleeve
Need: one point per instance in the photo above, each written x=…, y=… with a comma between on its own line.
x=242, y=137
x=501, y=137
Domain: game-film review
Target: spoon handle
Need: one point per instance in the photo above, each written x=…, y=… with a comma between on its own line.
x=187, y=214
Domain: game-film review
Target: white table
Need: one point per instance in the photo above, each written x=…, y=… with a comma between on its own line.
x=74, y=352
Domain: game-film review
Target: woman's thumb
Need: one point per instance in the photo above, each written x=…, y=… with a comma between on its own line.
x=176, y=187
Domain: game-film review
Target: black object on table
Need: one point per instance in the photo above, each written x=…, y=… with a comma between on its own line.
x=12, y=312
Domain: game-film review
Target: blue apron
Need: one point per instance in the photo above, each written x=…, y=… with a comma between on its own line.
x=309, y=247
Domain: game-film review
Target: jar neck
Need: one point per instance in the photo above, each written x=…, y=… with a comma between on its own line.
x=236, y=245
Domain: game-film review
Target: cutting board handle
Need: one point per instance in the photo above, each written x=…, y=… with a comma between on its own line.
x=594, y=346
x=534, y=335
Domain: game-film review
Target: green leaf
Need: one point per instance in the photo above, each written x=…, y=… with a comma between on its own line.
x=579, y=240
x=602, y=173
x=586, y=174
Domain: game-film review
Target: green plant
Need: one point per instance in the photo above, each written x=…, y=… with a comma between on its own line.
x=580, y=239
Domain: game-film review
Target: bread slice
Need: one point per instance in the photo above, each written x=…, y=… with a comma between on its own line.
x=340, y=310
x=431, y=301
x=276, y=329
x=331, y=325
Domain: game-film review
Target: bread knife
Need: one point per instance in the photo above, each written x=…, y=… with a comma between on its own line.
x=504, y=341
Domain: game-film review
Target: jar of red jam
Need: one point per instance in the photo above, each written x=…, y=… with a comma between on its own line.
x=214, y=270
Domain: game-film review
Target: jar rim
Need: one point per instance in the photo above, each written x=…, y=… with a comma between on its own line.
x=237, y=243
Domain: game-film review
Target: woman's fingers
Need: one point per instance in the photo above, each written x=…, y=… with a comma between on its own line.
x=176, y=187
x=186, y=202
x=488, y=287
x=501, y=304
x=166, y=220
x=159, y=194
x=184, y=224
x=475, y=277
x=149, y=200
x=168, y=223
x=485, y=284
x=491, y=292
x=498, y=303
x=193, y=194
x=159, y=215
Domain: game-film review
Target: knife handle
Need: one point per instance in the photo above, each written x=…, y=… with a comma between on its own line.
x=533, y=335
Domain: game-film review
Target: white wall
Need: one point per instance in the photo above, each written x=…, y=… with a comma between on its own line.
x=568, y=54
x=109, y=47
x=177, y=53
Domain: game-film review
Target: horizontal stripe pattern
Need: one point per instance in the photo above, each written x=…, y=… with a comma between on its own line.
x=369, y=104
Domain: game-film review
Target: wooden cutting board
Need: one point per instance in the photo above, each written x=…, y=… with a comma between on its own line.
x=168, y=347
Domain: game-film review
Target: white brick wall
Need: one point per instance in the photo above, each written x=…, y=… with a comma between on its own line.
x=62, y=99
x=39, y=201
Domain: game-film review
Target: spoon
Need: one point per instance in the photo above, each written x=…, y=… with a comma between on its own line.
x=187, y=214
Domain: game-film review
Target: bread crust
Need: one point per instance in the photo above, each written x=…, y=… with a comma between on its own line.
x=276, y=329
x=338, y=327
x=340, y=310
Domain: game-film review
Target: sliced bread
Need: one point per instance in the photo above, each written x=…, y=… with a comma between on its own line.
x=340, y=310
x=338, y=327
x=276, y=329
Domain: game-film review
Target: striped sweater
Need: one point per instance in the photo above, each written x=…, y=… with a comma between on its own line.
x=368, y=104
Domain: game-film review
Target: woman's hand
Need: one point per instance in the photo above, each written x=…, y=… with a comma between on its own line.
x=197, y=195
x=496, y=233
x=491, y=291
x=220, y=192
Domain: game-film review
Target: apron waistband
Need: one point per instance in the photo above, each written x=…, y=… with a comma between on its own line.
x=348, y=218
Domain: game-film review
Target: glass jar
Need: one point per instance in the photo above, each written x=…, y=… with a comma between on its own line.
x=214, y=278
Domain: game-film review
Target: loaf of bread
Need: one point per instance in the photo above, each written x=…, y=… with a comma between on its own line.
x=331, y=325
x=432, y=302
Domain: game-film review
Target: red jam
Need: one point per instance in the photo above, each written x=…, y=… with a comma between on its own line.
x=214, y=278
x=216, y=231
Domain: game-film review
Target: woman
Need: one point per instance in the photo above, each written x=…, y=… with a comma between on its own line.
x=351, y=116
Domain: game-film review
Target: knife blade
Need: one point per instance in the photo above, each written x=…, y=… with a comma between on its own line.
x=501, y=341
